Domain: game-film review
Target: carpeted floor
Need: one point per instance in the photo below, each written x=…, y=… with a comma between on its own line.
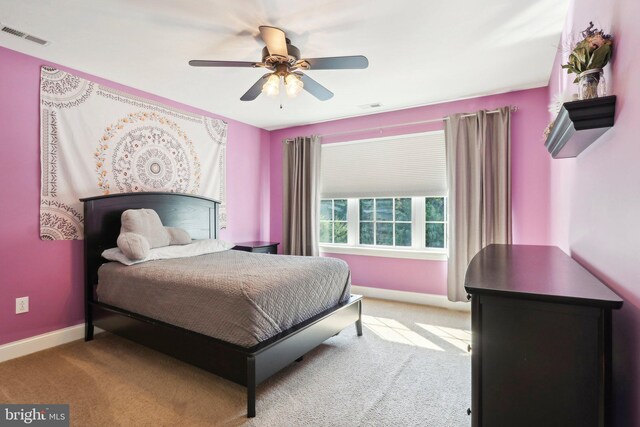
x=410, y=368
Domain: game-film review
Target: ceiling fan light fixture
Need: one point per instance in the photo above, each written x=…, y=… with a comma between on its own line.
x=293, y=85
x=272, y=86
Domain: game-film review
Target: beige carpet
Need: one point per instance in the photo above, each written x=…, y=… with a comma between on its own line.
x=410, y=368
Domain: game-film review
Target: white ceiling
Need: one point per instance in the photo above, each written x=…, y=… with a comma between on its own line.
x=420, y=52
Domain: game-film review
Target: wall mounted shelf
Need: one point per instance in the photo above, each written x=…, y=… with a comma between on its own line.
x=580, y=123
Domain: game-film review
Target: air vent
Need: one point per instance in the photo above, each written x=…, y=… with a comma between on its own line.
x=372, y=105
x=22, y=35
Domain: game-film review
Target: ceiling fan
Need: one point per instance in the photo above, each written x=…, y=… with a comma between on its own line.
x=283, y=61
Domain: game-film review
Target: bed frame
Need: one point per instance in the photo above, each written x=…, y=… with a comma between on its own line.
x=198, y=215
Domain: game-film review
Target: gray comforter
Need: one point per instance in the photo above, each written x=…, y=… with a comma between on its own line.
x=239, y=297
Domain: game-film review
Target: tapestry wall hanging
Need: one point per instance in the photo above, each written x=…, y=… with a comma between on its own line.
x=96, y=140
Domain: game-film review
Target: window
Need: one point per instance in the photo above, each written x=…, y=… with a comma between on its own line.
x=333, y=221
x=395, y=223
x=385, y=197
x=435, y=222
x=385, y=221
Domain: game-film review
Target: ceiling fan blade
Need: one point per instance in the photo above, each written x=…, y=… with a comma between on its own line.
x=205, y=63
x=275, y=40
x=338, y=63
x=315, y=88
x=256, y=89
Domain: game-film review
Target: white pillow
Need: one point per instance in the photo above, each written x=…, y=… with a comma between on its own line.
x=198, y=247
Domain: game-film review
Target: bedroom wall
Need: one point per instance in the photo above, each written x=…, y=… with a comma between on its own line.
x=595, y=198
x=530, y=180
x=50, y=273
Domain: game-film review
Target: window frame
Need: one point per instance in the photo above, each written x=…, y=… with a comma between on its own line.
x=418, y=248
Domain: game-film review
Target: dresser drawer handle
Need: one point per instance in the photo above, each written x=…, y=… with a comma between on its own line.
x=469, y=348
x=468, y=411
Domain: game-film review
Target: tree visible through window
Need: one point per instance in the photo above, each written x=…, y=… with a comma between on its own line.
x=333, y=221
x=385, y=221
x=436, y=220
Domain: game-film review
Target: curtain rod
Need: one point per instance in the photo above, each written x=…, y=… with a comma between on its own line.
x=512, y=108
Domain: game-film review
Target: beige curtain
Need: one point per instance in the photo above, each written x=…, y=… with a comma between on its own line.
x=301, y=176
x=478, y=149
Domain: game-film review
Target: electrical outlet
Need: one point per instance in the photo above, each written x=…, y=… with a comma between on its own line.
x=22, y=305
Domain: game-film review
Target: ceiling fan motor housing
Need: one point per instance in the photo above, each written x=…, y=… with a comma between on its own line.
x=292, y=52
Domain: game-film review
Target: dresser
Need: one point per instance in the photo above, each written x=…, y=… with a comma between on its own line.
x=258, y=247
x=541, y=339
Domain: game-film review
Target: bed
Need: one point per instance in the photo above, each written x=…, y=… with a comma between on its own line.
x=245, y=349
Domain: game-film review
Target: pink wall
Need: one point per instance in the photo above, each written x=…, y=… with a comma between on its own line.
x=530, y=178
x=50, y=273
x=595, y=198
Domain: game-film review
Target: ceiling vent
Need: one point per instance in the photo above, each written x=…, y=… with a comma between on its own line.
x=369, y=106
x=22, y=35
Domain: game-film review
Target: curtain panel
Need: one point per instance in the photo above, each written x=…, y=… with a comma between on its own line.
x=301, y=196
x=478, y=150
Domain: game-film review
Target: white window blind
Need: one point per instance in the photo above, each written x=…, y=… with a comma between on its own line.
x=407, y=165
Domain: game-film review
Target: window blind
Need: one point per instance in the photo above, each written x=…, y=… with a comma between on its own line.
x=407, y=165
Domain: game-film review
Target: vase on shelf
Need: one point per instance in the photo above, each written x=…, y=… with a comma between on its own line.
x=591, y=84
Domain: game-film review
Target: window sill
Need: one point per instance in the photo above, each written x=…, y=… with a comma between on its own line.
x=431, y=255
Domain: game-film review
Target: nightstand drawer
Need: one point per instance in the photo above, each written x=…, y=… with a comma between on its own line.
x=266, y=250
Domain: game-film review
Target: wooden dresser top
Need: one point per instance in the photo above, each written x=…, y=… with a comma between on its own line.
x=543, y=273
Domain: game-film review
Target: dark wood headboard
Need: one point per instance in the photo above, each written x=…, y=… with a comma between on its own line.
x=197, y=215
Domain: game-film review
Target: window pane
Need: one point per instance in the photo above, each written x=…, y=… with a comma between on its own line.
x=366, y=233
x=403, y=234
x=384, y=233
x=325, y=210
x=403, y=209
x=435, y=236
x=384, y=209
x=340, y=229
x=325, y=232
x=340, y=210
x=434, y=208
x=366, y=210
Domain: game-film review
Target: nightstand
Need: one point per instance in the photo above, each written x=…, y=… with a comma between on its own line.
x=258, y=247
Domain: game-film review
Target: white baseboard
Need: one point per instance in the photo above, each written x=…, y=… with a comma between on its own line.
x=411, y=297
x=42, y=342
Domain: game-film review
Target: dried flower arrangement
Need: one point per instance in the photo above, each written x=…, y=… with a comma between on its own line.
x=592, y=52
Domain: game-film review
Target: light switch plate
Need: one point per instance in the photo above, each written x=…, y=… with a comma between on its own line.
x=22, y=305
